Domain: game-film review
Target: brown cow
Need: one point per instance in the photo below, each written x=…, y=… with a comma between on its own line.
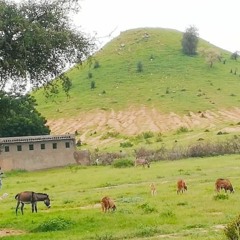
x=181, y=186
x=225, y=184
x=108, y=204
x=142, y=162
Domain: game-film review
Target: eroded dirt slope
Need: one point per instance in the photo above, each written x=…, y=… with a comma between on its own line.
x=133, y=121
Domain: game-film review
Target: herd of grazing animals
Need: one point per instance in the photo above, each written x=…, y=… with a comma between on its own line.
x=108, y=204
x=221, y=183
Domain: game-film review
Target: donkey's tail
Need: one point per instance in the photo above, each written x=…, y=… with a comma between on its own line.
x=16, y=196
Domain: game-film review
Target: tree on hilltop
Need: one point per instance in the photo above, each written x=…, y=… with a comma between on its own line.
x=37, y=43
x=190, y=41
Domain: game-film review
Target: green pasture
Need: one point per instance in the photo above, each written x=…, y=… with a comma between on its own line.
x=75, y=193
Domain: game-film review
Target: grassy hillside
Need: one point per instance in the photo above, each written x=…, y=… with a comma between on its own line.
x=172, y=91
x=170, y=81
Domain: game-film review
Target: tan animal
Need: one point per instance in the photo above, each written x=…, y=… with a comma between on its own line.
x=108, y=204
x=225, y=184
x=181, y=186
x=153, y=189
x=142, y=162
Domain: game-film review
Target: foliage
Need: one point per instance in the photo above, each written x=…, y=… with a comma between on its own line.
x=147, y=208
x=126, y=144
x=54, y=224
x=37, y=43
x=211, y=55
x=93, y=84
x=139, y=67
x=19, y=117
x=220, y=196
x=235, y=55
x=232, y=230
x=122, y=163
x=190, y=41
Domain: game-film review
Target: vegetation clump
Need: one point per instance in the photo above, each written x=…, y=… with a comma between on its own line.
x=232, y=230
x=54, y=224
x=122, y=163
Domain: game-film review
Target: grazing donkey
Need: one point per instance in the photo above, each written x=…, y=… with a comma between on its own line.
x=142, y=162
x=31, y=197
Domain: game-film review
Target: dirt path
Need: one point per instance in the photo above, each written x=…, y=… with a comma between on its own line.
x=10, y=232
x=133, y=121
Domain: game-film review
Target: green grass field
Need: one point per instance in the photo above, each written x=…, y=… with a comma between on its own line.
x=76, y=191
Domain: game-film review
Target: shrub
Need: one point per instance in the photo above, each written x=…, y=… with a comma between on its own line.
x=122, y=163
x=232, y=230
x=93, y=84
x=182, y=130
x=146, y=231
x=147, y=134
x=96, y=64
x=220, y=197
x=105, y=236
x=126, y=144
x=90, y=75
x=147, y=208
x=54, y=224
x=139, y=67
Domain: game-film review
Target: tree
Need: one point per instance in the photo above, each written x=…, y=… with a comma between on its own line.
x=37, y=43
x=190, y=41
x=211, y=55
x=19, y=116
x=235, y=55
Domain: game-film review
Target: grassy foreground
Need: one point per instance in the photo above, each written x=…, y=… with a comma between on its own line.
x=76, y=191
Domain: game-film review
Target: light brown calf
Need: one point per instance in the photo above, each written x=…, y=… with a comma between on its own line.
x=153, y=189
x=225, y=184
x=108, y=204
x=181, y=186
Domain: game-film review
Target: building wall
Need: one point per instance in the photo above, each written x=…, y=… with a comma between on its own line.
x=29, y=154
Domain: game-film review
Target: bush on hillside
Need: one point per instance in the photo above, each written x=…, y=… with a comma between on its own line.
x=122, y=163
x=139, y=67
x=190, y=41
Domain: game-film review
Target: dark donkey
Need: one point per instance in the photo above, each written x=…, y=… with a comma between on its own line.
x=31, y=197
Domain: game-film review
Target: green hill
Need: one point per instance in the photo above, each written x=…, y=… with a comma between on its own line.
x=171, y=85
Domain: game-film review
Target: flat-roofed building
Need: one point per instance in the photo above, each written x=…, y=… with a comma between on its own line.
x=37, y=152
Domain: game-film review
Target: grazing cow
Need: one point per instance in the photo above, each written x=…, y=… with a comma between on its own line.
x=181, y=186
x=142, y=162
x=153, y=189
x=108, y=204
x=225, y=184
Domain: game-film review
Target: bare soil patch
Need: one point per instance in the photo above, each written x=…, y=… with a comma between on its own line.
x=10, y=232
x=133, y=121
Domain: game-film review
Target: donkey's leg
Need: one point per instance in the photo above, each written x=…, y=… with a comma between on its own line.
x=22, y=205
x=18, y=203
x=36, y=207
x=33, y=206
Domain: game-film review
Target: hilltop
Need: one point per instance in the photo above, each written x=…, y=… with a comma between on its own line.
x=111, y=102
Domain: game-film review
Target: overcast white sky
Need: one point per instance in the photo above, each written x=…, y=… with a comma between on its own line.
x=217, y=21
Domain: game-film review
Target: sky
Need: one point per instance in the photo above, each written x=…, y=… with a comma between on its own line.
x=217, y=21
